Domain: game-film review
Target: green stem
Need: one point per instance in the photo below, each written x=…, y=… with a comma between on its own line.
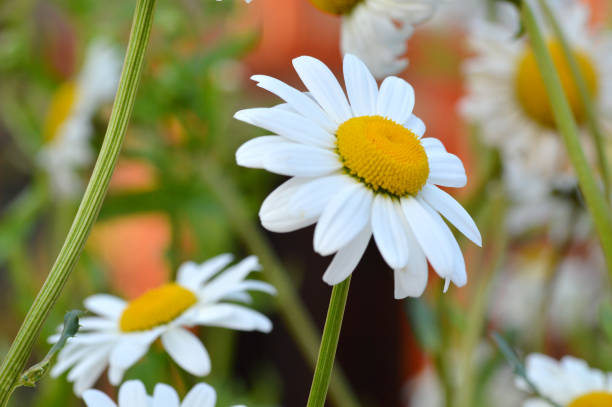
x=292, y=310
x=18, y=354
x=566, y=124
x=585, y=96
x=329, y=344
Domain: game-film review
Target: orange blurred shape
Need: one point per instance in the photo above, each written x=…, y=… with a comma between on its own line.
x=600, y=11
x=132, y=175
x=133, y=248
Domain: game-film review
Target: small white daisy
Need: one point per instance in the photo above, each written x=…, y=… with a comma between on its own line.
x=359, y=169
x=507, y=98
x=377, y=30
x=68, y=127
x=122, y=332
x=569, y=383
x=133, y=394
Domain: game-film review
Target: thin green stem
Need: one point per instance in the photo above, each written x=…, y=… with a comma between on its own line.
x=18, y=354
x=292, y=310
x=329, y=344
x=586, y=96
x=596, y=203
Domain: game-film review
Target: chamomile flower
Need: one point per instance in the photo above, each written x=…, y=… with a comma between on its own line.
x=507, y=98
x=377, y=30
x=122, y=332
x=133, y=394
x=68, y=127
x=359, y=169
x=569, y=382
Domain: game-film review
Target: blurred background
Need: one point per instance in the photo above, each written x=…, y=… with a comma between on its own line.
x=177, y=195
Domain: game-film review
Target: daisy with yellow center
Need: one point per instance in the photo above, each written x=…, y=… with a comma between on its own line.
x=67, y=128
x=122, y=332
x=360, y=168
x=569, y=382
x=377, y=30
x=507, y=98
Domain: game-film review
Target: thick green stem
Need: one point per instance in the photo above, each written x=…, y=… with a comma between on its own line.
x=329, y=344
x=585, y=96
x=596, y=203
x=18, y=354
x=292, y=310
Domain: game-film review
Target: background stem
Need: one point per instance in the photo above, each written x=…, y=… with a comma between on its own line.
x=19, y=352
x=329, y=344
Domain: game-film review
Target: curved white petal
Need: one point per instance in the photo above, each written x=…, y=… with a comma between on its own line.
x=202, y=395
x=453, y=211
x=344, y=217
x=310, y=199
x=277, y=214
x=252, y=153
x=432, y=145
x=133, y=394
x=361, y=86
x=95, y=398
x=192, y=275
x=298, y=101
x=292, y=126
x=234, y=317
x=299, y=160
x=226, y=281
x=415, y=125
x=105, y=305
x=395, y=99
x=187, y=351
x=390, y=231
x=324, y=87
x=411, y=280
x=347, y=258
x=165, y=396
x=446, y=170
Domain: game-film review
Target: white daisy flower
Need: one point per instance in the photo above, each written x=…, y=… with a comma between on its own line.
x=377, y=30
x=359, y=169
x=122, y=332
x=68, y=127
x=569, y=383
x=507, y=98
x=133, y=394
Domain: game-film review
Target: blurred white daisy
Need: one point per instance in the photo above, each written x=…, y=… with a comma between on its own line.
x=133, y=394
x=377, y=30
x=359, y=169
x=507, y=98
x=68, y=127
x=122, y=332
x=569, y=382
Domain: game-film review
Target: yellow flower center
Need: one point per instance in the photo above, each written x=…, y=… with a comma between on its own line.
x=531, y=92
x=156, y=307
x=384, y=155
x=595, y=399
x=337, y=7
x=60, y=108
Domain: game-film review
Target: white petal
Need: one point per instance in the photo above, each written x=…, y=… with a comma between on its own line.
x=192, y=275
x=187, y=351
x=226, y=281
x=432, y=240
x=344, y=217
x=411, y=281
x=324, y=87
x=124, y=355
x=89, y=376
x=347, y=258
x=95, y=398
x=390, y=231
x=453, y=211
x=133, y=394
x=68, y=357
x=252, y=153
x=395, y=99
x=432, y=145
x=276, y=213
x=105, y=305
x=202, y=395
x=415, y=125
x=236, y=317
x=299, y=101
x=361, y=86
x=310, y=199
x=94, y=323
x=446, y=170
x=289, y=125
x=299, y=160
x=165, y=396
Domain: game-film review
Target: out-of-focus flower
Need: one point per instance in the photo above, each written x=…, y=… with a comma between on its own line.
x=425, y=389
x=569, y=383
x=457, y=14
x=68, y=127
x=133, y=394
x=122, y=332
x=507, y=98
x=359, y=169
x=377, y=30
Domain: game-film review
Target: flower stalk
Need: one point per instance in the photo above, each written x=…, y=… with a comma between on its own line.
x=566, y=123
x=19, y=352
x=329, y=344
